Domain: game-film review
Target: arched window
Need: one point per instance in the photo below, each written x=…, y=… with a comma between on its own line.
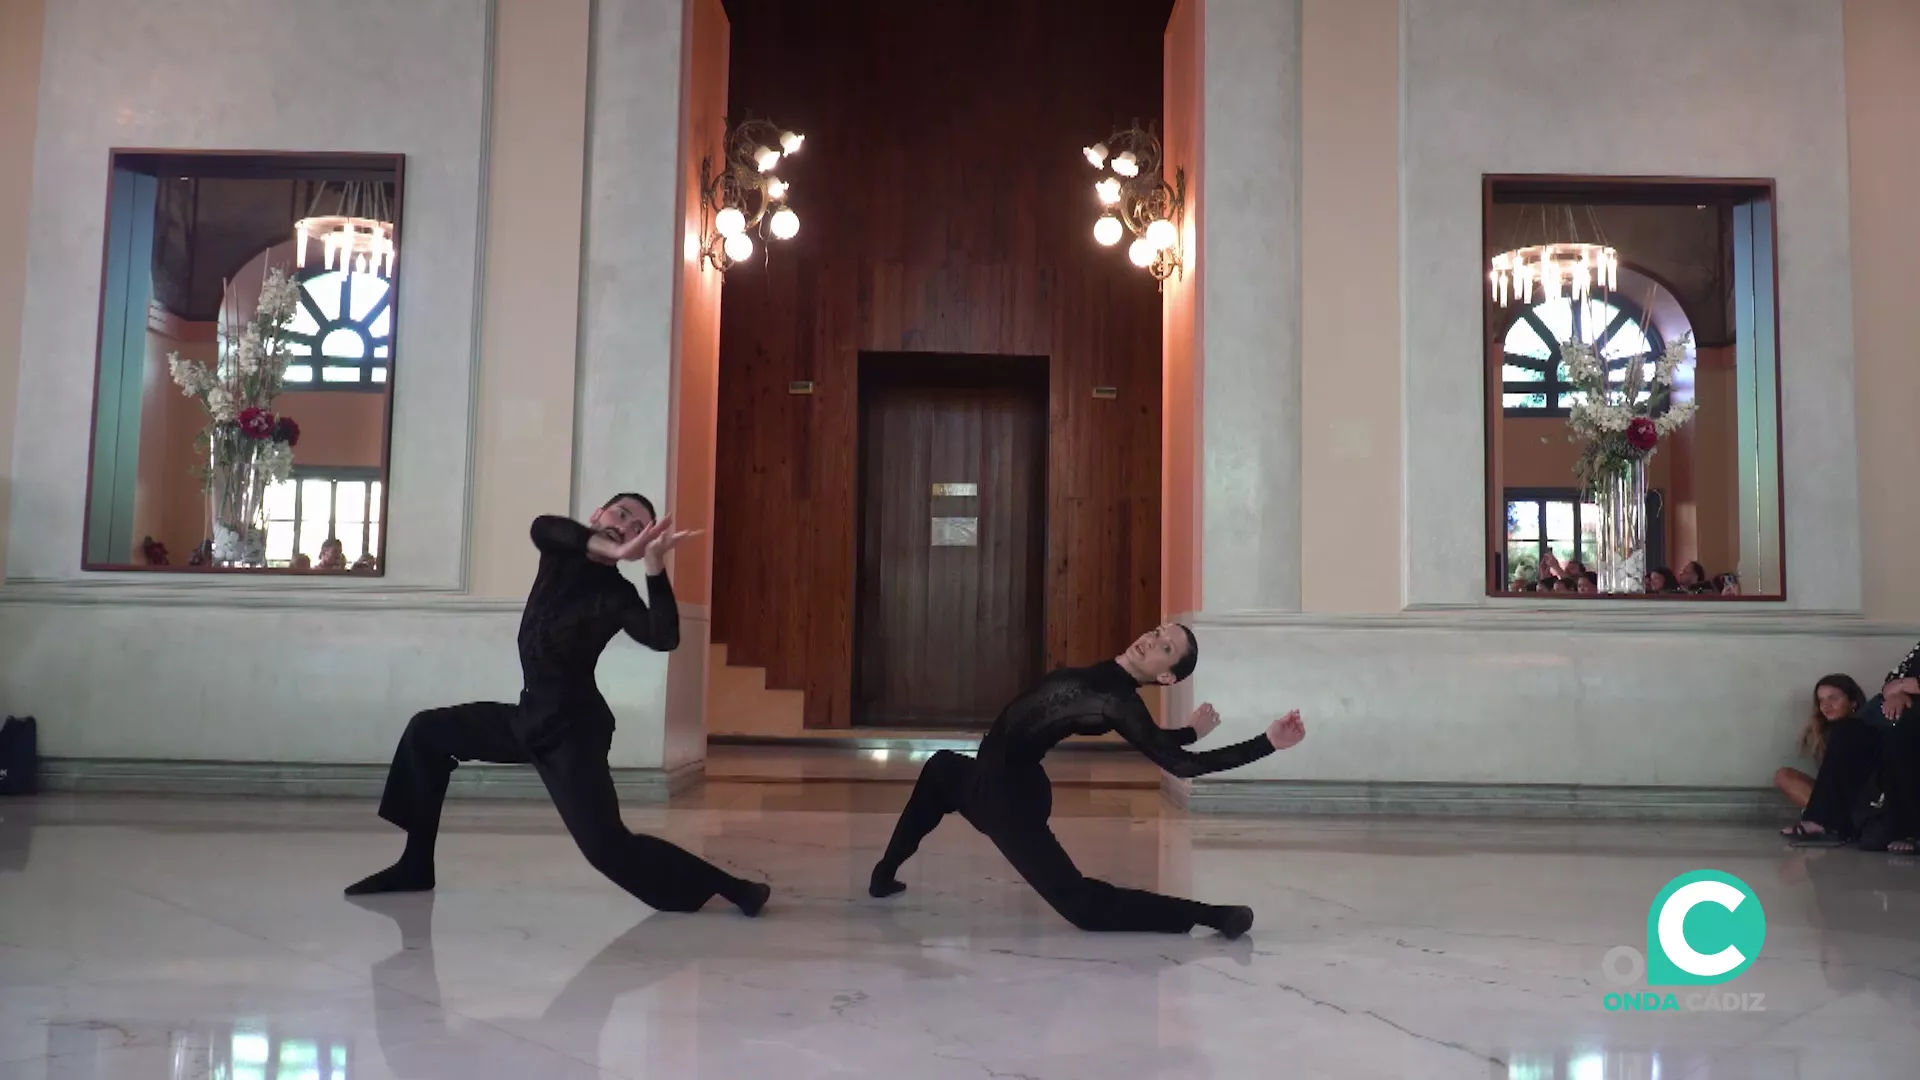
x=345, y=323
x=1533, y=374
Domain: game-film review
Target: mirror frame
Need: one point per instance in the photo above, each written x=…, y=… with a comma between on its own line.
x=239, y=165
x=1600, y=190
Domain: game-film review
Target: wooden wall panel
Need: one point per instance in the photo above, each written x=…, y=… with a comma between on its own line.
x=944, y=209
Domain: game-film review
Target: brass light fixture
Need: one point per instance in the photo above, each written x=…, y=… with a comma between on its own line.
x=1136, y=198
x=745, y=196
x=357, y=236
x=1569, y=269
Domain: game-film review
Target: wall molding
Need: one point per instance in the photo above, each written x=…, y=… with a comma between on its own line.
x=288, y=780
x=1651, y=617
x=1448, y=800
x=278, y=593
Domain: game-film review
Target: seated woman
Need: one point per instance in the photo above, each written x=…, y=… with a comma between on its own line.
x=1660, y=580
x=1900, y=760
x=1693, y=579
x=1845, y=750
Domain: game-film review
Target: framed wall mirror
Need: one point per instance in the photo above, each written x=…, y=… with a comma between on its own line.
x=1632, y=389
x=246, y=362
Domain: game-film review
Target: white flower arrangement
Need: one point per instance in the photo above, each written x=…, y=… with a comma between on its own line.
x=247, y=445
x=1617, y=424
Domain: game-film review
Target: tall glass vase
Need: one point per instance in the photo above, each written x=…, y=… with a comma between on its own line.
x=1622, y=500
x=238, y=487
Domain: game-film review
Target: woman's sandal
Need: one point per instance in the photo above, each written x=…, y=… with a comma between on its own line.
x=1799, y=835
x=1903, y=847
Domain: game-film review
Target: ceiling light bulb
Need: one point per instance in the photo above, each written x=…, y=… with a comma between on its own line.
x=785, y=224
x=730, y=222
x=1096, y=155
x=790, y=141
x=1108, y=190
x=765, y=158
x=776, y=188
x=1107, y=231
x=1127, y=165
x=1162, y=235
x=739, y=247
x=1142, y=253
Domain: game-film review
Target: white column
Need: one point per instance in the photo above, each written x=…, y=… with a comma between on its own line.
x=623, y=409
x=1249, y=244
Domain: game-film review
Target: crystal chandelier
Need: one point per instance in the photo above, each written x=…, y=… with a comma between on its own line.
x=745, y=196
x=1137, y=199
x=1570, y=270
x=353, y=224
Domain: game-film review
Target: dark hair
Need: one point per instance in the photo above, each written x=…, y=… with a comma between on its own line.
x=1188, y=660
x=641, y=499
x=1813, y=741
x=1592, y=578
x=1666, y=575
x=1698, y=570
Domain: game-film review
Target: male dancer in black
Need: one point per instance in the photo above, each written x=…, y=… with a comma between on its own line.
x=1004, y=793
x=562, y=725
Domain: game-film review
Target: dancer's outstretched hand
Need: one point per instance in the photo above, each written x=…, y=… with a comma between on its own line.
x=661, y=537
x=1203, y=721
x=1287, y=731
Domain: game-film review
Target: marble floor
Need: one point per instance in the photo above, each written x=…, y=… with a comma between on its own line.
x=187, y=939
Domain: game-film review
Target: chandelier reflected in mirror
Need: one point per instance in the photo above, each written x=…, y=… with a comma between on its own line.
x=353, y=224
x=744, y=198
x=1566, y=269
x=1136, y=198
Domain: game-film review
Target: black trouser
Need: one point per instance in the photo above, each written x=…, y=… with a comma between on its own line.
x=1900, y=770
x=1847, y=769
x=1010, y=805
x=571, y=757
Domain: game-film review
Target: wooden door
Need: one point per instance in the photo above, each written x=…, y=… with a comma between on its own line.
x=951, y=610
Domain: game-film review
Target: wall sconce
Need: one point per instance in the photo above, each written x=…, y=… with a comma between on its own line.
x=1137, y=199
x=746, y=197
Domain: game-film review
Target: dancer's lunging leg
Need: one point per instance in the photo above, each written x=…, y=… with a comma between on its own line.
x=1006, y=795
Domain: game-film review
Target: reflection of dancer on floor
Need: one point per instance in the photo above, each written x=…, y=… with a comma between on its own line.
x=1004, y=793
x=562, y=726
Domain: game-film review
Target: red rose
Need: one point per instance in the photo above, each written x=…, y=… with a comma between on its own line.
x=1641, y=434
x=287, y=431
x=256, y=423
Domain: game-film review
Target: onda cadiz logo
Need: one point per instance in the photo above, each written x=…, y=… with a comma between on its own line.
x=1704, y=929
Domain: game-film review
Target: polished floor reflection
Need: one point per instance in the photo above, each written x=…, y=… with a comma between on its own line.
x=179, y=940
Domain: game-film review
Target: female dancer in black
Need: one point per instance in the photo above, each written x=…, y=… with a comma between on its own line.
x=1004, y=793
x=561, y=724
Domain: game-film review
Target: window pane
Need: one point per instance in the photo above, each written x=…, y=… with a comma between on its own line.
x=298, y=373
x=382, y=325
x=1524, y=340
x=373, y=509
x=1560, y=524
x=368, y=289
x=1589, y=533
x=1515, y=373
x=1627, y=341
x=1523, y=520
x=313, y=533
x=1523, y=561
x=302, y=321
x=326, y=290
x=1558, y=315
x=299, y=348
x=343, y=344
x=279, y=541
x=350, y=502
x=373, y=539
x=379, y=374
x=340, y=374
x=1523, y=401
x=279, y=500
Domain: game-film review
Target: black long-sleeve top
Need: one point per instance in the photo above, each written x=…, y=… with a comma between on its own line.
x=577, y=605
x=1093, y=701
x=1909, y=668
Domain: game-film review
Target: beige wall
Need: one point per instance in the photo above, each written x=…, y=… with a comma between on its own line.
x=20, y=26
x=531, y=308
x=1350, y=531
x=1179, y=323
x=1883, y=132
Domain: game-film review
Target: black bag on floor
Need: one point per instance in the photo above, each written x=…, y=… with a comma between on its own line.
x=19, y=756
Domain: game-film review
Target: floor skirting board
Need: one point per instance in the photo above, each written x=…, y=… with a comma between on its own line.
x=1573, y=801
x=297, y=781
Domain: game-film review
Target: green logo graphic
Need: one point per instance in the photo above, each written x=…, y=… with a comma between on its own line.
x=1705, y=928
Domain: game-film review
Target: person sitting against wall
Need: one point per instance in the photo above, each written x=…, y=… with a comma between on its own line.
x=1845, y=747
x=1660, y=581
x=1693, y=579
x=1900, y=752
x=302, y=563
x=1589, y=583
x=333, y=555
